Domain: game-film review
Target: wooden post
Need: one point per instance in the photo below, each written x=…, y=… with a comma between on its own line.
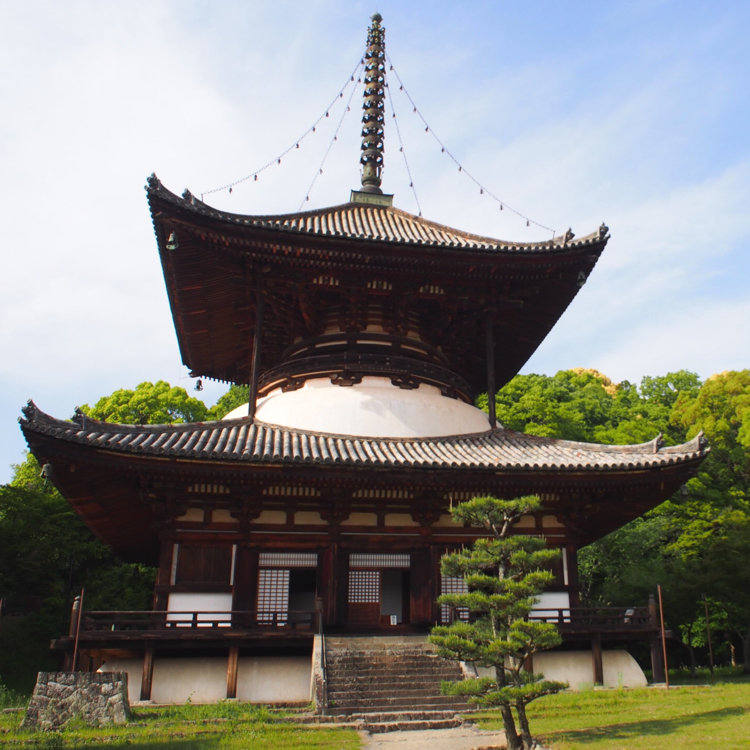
x=245, y=584
x=574, y=586
x=326, y=583
x=421, y=587
x=596, y=656
x=78, y=630
x=341, y=586
x=708, y=635
x=253, y=385
x=147, y=675
x=163, y=574
x=657, y=658
x=232, y=662
x=490, y=354
x=663, y=637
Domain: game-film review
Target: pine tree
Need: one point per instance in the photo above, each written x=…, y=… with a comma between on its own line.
x=504, y=574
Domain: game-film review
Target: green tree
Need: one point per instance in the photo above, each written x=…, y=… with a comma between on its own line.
x=148, y=403
x=504, y=574
x=46, y=556
x=685, y=544
x=237, y=395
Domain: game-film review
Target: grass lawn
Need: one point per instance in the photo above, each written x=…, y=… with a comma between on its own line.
x=189, y=727
x=705, y=716
x=695, y=716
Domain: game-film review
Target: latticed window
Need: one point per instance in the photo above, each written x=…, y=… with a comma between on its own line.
x=453, y=585
x=288, y=559
x=379, y=561
x=273, y=595
x=364, y=586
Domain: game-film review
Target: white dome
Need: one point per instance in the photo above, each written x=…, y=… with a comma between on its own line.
x=372, y=408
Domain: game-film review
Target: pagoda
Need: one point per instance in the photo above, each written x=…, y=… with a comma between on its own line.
x=365, y=334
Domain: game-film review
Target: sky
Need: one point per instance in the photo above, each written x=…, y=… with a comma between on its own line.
x=635, y=114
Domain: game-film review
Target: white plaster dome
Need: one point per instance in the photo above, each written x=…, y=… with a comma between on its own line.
x=372, y=408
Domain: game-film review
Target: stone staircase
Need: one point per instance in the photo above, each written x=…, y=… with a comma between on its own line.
x=390, y=682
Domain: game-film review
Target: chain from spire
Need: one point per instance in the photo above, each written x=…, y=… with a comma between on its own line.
x=373, y=119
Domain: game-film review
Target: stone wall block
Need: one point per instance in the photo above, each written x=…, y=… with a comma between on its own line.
x=98, y=698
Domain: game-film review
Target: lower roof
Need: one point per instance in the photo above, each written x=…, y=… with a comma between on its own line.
x=248, y=441
x=128, y=482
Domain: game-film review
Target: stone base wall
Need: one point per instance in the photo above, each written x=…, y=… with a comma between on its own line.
x=99, y=698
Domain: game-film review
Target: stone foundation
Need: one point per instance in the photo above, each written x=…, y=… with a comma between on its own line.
x=99, y=698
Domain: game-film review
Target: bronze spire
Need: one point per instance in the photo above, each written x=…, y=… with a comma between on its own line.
x=373, y=119
x=374, y=108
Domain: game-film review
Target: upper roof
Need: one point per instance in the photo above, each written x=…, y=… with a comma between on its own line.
x=381, y=223
x=350, y=258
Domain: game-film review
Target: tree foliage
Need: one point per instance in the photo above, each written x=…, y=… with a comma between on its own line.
x=684, y=543
x=47, y=555
x=236, y=396
x=148, y=403
x=504, y=574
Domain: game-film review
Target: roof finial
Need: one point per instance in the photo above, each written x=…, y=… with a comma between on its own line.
x=374, y=108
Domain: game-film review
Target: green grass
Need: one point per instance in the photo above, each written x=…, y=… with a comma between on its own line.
x=686, y=717
x=229, y=726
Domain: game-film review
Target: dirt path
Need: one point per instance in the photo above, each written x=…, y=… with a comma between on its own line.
x=466, y=737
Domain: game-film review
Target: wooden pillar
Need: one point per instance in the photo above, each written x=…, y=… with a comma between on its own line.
x=421, y=587
x=657, y=654
x=245, y=578
x=147, y=675
x=232, y=663
x=163, y=574
x=490, y=354
x=596, y=657
x=574, y=586
x=254, y=365
x=341, y=586
x=327, y=583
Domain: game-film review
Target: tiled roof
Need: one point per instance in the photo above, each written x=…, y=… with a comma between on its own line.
x=241, y=440
x=372, y=222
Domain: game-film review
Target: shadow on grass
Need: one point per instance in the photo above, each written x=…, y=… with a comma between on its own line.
x=654, y=727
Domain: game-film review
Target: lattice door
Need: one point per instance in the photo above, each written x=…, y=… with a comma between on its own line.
x=273, y=596
x=364, y=597
x=453, y=585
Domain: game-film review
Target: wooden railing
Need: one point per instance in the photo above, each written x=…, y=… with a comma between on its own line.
x=596, y=619
x=588, y=620
x=142, y=621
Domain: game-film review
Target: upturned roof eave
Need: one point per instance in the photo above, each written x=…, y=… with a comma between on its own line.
x=293, y=225
x=477, y=452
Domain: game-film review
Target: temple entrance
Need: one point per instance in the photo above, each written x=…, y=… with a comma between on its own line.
x=378, y=590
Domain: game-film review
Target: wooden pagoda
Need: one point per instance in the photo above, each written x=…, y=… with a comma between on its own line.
x=365, y=334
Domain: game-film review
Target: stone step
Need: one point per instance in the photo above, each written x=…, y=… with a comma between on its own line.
x=412, y=726
x=404, y=696
x=396, y=666
x=393, y=664
x=384, y=721
x=425, y=703
x=397, y=679
x=373, y=676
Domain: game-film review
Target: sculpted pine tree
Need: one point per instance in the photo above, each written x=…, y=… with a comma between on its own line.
x=504, y=574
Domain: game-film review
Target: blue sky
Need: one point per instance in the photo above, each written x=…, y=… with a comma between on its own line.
x=632, y=113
